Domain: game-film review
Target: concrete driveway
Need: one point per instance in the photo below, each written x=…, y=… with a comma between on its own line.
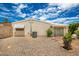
x=27, y=46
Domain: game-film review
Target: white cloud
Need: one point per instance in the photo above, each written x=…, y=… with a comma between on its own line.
x=42, y=18
x=36, y=12
x=51, y=9
x=19, y=8
x=6, y=14
x=49, y=12
x=34, y=16
x=66, y=6
x=22, y=15
x=58, y=20
x=63, y=6
x=52, y=15
x=40, y=10
x=53, y=12
x=65, y=20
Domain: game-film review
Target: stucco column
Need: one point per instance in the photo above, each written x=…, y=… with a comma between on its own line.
x=25, y=30
x=13, y=30
x=65, y=30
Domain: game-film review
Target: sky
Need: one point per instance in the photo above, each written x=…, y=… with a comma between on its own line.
x=60, y=13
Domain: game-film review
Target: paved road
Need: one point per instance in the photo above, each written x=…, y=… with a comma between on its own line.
x=41, y=46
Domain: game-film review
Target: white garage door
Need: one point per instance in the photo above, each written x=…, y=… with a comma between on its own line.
x=19, y=32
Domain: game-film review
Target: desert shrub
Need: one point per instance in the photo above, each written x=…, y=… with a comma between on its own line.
x=72, y=28
x=49, y=32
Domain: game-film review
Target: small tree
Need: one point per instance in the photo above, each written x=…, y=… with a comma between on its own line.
x=68, y=37
x=67, y=41
x=72, y=28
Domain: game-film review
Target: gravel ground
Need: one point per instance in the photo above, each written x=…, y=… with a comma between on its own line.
x=41, y=46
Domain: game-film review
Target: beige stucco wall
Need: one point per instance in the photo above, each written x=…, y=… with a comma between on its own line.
x=39, y=26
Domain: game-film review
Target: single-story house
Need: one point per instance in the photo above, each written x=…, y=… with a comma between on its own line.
x=26, y=27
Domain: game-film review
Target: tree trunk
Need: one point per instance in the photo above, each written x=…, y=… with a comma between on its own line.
x=67, y=45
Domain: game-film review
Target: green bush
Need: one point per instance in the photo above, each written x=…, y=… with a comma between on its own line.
x=49, y=32
x=73, y=27
x=77, y=33
x=68, y=37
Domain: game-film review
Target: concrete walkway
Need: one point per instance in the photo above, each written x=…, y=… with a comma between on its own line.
x=41, y=46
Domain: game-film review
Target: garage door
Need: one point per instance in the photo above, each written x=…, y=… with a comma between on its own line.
x=19, y=32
